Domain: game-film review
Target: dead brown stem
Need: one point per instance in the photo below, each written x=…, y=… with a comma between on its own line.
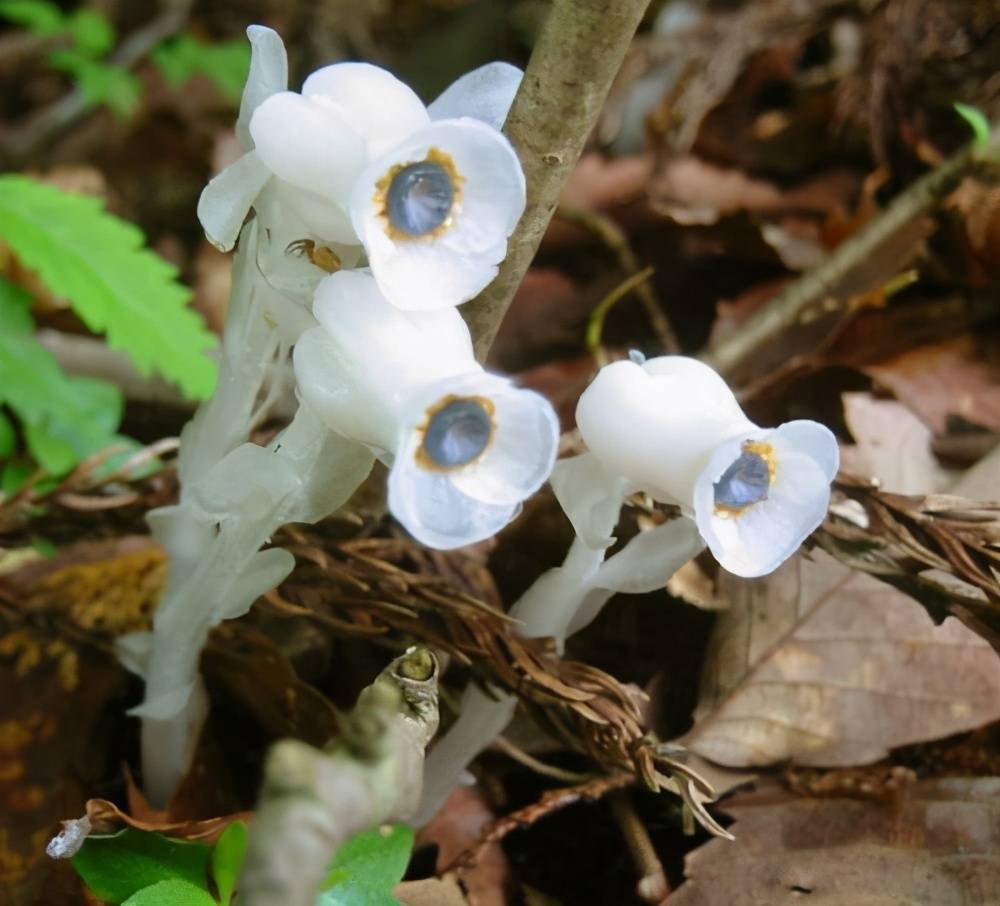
x=784, y=310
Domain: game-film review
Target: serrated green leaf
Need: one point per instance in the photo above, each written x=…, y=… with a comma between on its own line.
x=65, y=418
x=8, y=437
x=38, y=16
x=227, y=859
x=170, y=893
x=92, y=33
x=117, y=866
x=367, y=867
x=977, y=121
x=116, y=285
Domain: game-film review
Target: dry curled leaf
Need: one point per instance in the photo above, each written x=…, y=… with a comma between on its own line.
x=937, y=848
x=820, y=665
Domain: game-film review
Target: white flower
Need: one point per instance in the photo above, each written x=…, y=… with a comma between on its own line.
x=310, y=149
x=318, y=142
x=674, y=429
x=465, y=447
x=434, y=213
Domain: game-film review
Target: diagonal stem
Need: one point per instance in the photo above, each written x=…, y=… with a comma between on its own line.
x=576, y=58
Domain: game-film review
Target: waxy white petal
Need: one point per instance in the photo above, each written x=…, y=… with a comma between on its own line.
x=268, y=75
x=453, y=265
x=228, y=197
x=485, y=94
x=367, y=356
x=657, y=423
x=758, y=540
x=309, y=144
x=380, y=108
x=486, y=493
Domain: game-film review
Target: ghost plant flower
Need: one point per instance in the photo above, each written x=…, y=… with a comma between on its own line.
x=356, y=159
x=673, y=428
x=435, y=211
x=464, y=447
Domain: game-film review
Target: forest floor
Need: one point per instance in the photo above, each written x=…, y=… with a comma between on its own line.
x=741, y=145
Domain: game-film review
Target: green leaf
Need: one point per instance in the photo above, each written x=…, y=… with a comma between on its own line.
x=977, y=121
x=176, y=59
x=92, y=33
x=100, y=83
x=367, y=867
x=65, y=418
x=116, y=866
x=171, y=893
x=38, y=16
x=226, y=63
x=117, y=286
x=13, y=477
x=8, y=437
x=227, y=859
x=43, y=547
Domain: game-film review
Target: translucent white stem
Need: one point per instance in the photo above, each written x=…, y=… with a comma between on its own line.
x=560, y=602
x=234, y=496
x=545, y=609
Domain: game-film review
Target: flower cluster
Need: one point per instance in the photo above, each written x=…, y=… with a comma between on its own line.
x=671, y=427
x=357, y=164
x=403, y=212
x=465, y=447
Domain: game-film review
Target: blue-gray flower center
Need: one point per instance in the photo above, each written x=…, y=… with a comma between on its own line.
x=419, y=198
x=744, y=483
x=457, y=433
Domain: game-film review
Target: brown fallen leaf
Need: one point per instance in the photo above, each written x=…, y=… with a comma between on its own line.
x=460, y=824
x=820, y=665
x=960, y=376
x=978, y=204
x=939, y=848
x=693, y=191
x=892, y=445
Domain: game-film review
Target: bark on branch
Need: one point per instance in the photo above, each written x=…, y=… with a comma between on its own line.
x=577, y=55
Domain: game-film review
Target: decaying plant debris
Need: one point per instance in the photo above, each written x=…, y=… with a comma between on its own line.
x=782, y=190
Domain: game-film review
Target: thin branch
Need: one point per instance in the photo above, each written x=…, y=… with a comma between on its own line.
x=25, y=141
x=615, y=238
x=785, y=309
x=313, y=800
x=653, y=886
x=595, y=326
x=577, y=55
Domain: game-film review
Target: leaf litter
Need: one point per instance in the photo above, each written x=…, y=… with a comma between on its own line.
x=746, y=144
